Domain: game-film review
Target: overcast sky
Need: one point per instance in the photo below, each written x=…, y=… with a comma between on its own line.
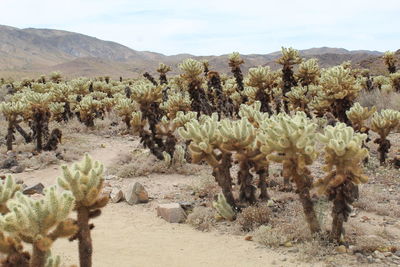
x=217, y=27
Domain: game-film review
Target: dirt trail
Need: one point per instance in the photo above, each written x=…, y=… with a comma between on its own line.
x=128, y=236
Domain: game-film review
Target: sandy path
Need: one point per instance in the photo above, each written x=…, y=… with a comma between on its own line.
x=127, y=236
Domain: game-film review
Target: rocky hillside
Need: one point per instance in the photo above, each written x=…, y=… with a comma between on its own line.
x=30, y=52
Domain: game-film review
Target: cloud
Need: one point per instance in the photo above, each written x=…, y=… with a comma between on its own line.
x=217, y=26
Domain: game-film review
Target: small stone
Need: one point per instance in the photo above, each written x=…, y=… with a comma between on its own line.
x=270, y=203
x=19, y=181
x=116, y=195
x=8, y=163
x=36, y=189
x=248, y=238
x=186, y=205
x=293, y=250
x=17, y=169
x=397, y=253
x=11, y=153
x=388, y=254
x=136, y=193
x=172, y=212
x=378, y=255
x=341, y=249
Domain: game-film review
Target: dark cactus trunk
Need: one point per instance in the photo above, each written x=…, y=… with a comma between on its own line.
x=38, y=257
x=27, y=137
x=10, y=135
x=223, y=177
x=84, y=237
x=247, y=190
x=150, y=78
x=262, y=183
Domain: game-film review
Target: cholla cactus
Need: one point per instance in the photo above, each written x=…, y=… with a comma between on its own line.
x=163, y=69
x=223, y=208
x=299, y=99
x=222, y=103
x=38, y=105
x=383, y=123
x=264, y=80
x=253, y=113
x=192, y=70
x=87, y=109
x=390, y=61
x=343, y=157
x=291, y=141
x=308, y=72
x=395, y=81
x=205, y=140
x=13, y=248
x=234, y=62
x=12, y=111
x=55, y=77
x=85, y=181
x=357, y=115
x=40, y=222
x=176, y=102
x=239, y=138
x=8, y=188
x=125, y=107
x=289, y=58
x=340, y=89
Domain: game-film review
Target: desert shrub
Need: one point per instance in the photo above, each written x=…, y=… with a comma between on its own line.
x=202, y=218
x=253, y=217
x=379, y=99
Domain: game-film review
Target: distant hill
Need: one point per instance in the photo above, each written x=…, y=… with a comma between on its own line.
x=30, y=52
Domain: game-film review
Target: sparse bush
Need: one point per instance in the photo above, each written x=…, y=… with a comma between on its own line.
x=254, y=216
x=202, y=218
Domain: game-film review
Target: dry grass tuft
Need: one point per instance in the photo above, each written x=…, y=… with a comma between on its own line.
x=202, y=218
x=254, y=216
x=379, y=99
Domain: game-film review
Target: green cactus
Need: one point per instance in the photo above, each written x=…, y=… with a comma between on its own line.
x=39, y=222
x=223, y=208
x=85, y=181
x=343, y=157
x=383, y=123
x=8, y=188
x=357, y=115
x=308, y=72
x=291, y=141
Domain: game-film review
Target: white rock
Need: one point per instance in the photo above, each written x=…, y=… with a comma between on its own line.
x=116, y=195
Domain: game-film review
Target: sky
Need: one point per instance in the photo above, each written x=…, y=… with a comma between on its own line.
x=215, y=27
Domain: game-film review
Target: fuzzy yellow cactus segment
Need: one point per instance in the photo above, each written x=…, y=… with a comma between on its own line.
x=176, y=102
x=338, y=83
x=395, y=81
x=53, y=261
x=383, y=123
x=205, y=138
x=192, y=69
x=299, y=99
x=237, y=135
x=40, y=222
x=87, y=109
x=289, y=56
x=292, y=135
x=182, y=118
x=343, y=164
x=308, y=72
x=80, y=86
x=380, y=81
x=340, y=90
x=146, y=93
x=253, y=113
x=125, y=107
x=235, y=60
x=137, y=121
x=261, y=77
x=290, y=140
x=85, y=181
x=358, y=114
x=163, y=69
x=11, y=110
x=390, y=61
x=60, y=92
x=223, y=208
x=8, y=188
x=57, y=110
x=55, y=77
x=343, y=156
x=39, y=101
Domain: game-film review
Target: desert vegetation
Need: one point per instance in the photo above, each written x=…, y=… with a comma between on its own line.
x=283, y=148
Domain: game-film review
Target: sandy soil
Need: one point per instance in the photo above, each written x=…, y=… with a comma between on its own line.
x=127, y=236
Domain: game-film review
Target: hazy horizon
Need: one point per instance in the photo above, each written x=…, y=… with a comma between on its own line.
x=218, y=27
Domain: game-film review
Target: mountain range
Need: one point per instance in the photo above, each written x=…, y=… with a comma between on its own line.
x=30, y=52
